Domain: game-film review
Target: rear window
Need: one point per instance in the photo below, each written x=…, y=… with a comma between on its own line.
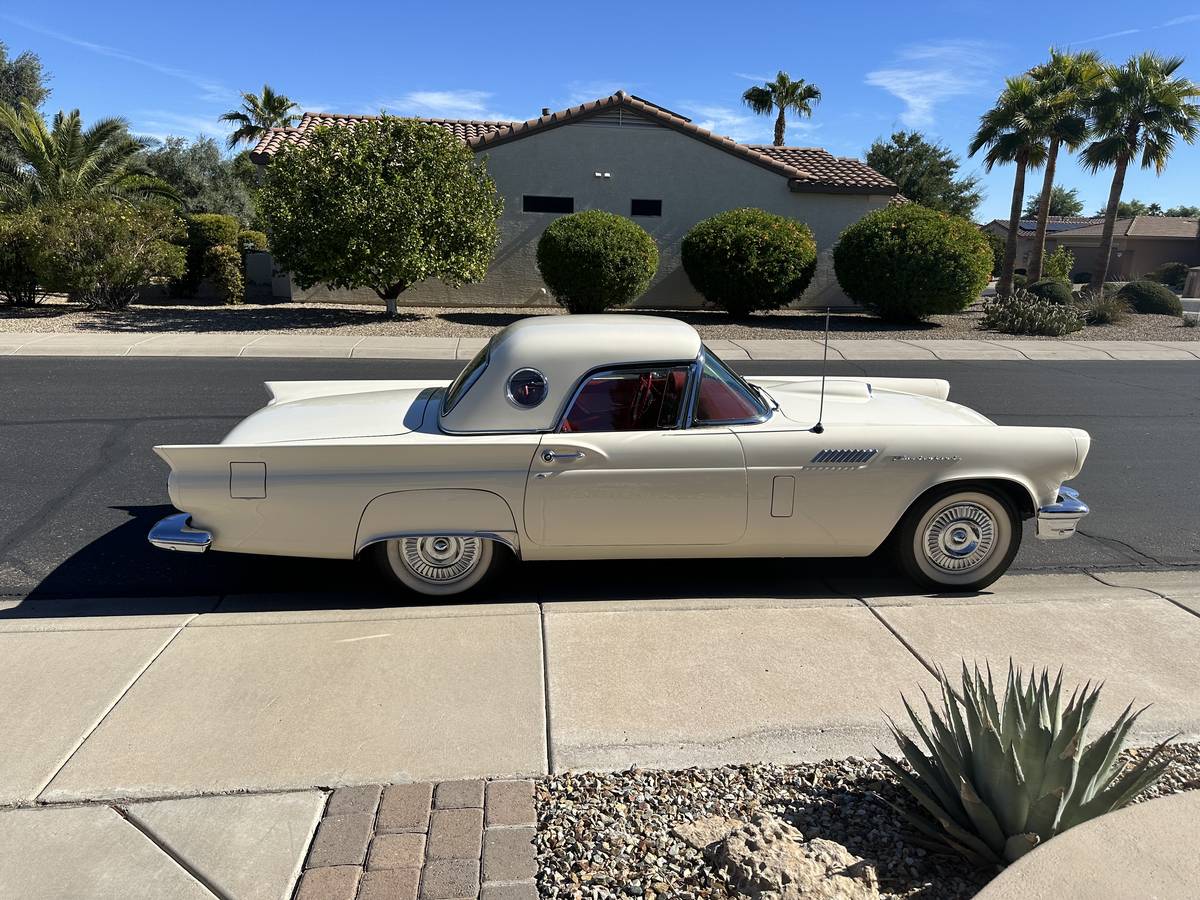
x=467, y=377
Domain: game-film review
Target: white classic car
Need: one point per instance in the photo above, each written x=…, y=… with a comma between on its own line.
x=614, y=437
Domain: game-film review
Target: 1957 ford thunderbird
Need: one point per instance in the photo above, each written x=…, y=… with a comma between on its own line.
x=614, y=437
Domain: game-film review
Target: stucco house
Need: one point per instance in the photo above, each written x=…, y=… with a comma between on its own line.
x=629, y=156
x=1140, y=244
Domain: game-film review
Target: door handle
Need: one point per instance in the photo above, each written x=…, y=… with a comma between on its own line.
x=554, y=455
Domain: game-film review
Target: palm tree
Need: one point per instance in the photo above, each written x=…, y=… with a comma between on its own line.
x=1066, y=83
x=259, y=114
x=782, y=96
x=67, y=162
x=1140, y=109
x=1012, y=132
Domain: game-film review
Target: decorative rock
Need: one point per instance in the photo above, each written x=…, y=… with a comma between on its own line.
x=703, y=833
x=770, y=860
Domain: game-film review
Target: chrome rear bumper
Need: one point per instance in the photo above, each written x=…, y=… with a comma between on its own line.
x=1059, y=520
x=175, y=533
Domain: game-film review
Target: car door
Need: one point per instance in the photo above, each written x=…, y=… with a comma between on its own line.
x=622, y=472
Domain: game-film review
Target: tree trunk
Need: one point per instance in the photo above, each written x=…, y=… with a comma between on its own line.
x=1004, y=285
x=389, y=295
x=780, y=125
x=1100, y=267
x=1039, y=238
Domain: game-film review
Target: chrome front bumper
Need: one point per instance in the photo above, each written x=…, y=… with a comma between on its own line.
x=1059, y=520
x=175, y=533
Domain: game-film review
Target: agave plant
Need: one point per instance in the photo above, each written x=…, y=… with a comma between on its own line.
x=1005, y=774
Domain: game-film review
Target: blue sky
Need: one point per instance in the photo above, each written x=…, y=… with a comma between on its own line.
x=172, y=68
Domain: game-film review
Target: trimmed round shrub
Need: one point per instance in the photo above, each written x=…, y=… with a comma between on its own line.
x=744, y=260
x=223, y=266
x=1172, y=274
x=593, y=260
x=1052, y=290
x=1151, y=297
x=252, y=240
x=908, y=262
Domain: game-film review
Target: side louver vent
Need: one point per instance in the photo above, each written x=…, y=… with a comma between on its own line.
x=843, y=457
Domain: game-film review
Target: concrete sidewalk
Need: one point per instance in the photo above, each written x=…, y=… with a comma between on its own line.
x=225, y=344
x=221, y=696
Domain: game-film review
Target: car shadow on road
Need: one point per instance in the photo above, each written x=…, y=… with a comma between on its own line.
x=119, y=573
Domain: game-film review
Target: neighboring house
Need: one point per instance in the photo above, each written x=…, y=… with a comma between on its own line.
x=1140, y=244
x=632, y=157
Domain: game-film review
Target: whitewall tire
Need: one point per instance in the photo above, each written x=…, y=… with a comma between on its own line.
x=959, y=538
x=438, y=565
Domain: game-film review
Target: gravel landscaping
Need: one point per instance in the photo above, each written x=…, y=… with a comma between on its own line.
x=609, y=835
x=360, y=320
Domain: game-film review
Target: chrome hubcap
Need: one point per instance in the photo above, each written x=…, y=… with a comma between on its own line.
x=440, y=559
x=960, y=537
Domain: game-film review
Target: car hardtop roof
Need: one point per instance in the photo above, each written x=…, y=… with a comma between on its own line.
x=563, y=349
x=597, y=340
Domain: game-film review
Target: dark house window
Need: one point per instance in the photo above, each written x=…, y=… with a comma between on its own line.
x=536, y=203
x=645, y=207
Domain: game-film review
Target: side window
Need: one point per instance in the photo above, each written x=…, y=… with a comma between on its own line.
x=723, y=397
x=628, y=400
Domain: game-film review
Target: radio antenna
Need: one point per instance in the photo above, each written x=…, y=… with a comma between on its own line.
x=819, y=428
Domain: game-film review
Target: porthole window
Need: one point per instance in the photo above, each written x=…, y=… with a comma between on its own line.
x=527, y=388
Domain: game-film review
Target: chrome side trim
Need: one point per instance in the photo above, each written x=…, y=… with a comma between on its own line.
x=507, y=538
x=176, y=533
x=1059, y=520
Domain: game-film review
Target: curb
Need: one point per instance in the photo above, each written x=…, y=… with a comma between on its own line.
x=214, y=344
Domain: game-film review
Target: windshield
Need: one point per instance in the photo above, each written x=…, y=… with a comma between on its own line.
x=724, y=396
x=467, y=377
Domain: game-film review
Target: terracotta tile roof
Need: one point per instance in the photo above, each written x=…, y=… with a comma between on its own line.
x=1054, y=224
x=1145, y=227
x=806, y=168
x=822, y=168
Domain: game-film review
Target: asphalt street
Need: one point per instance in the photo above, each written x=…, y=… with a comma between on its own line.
x=80, y=486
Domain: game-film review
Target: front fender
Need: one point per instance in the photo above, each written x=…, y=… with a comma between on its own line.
x=458, y=511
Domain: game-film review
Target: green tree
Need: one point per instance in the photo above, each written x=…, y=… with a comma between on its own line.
x=1185, y=212
x=1063, y=202
x=1139, y=111
x=1012, y=133
x=925, y=173
x=259, y=113
x=205, y=181
x=22, y=80
x=781, y=96
x=384, y=205
x=1065, y=84
x=67, y=162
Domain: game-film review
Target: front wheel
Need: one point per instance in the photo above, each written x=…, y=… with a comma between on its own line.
x=437, y=565
x=959, y=539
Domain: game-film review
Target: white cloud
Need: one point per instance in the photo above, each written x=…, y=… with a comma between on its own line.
x=210, y=89
x=1112, y=34
x=925, y=75
x=161, y=123
x=450, y=104
x=759, y=79
x=1181, y=20
x=586, y=91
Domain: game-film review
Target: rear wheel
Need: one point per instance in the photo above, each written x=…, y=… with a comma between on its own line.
x=438, y=565
x=959, y=539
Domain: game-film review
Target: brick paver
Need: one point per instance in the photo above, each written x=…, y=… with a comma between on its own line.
x=457, y=840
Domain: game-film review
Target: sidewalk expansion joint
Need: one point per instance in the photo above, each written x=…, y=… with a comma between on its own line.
x=1150, y=591
x=168, y=851
x=898, y=636
x=111, y=707
x=546, y=687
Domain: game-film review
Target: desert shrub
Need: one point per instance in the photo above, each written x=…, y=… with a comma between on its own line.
x=204, y=231
x=1172, y=274
x=1151, y=297
x=102, y=252
x=20, y=235
x=593, y=260
x=744, y=260
x=223, y=267
x=1102, y=308
x=1058, y=265
x=1023, y=313
x=908, y=262
x=1005, y=772
x=1051, y=290
x=1019, y=281
x=252, y=240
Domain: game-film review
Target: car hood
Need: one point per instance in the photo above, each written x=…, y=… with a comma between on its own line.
x=323, y=411
x=869, y=402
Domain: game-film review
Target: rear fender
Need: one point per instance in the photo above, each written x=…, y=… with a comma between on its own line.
x=452, y=511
